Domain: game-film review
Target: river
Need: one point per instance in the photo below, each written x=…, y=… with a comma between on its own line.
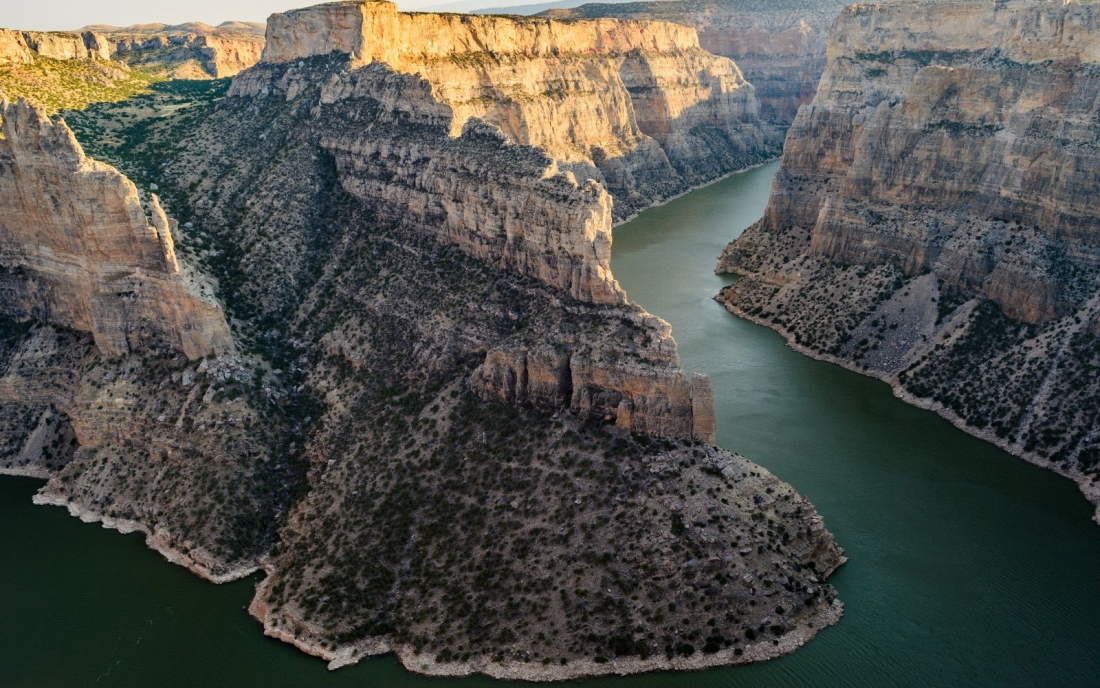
x=967, y=566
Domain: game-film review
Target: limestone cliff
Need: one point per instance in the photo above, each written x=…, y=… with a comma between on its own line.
x=186, y=51
x=637, y=106
x=22, y=47
x=934, y=221
x=78, y=248
x=390, y=141
x=779, y=45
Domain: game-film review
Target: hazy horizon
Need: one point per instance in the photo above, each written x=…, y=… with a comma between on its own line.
x=62, y=15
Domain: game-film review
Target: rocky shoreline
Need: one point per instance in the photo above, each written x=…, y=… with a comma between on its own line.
x=422, y=663
x=703, y=185
x=158, y=540
x=1089, y=489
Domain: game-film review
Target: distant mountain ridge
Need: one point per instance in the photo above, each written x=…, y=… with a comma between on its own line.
x=199, y=28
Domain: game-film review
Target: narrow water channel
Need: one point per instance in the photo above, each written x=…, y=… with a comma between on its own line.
x=968, y=567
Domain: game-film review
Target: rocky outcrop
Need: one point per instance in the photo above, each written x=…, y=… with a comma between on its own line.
x=22, y=47
x=78, y=248
x=508, y=206
x=636, y=106
x=779, y=46
x=934, y=220
x=187, y=51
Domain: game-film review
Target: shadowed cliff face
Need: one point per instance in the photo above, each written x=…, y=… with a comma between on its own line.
x=77, y=248
x=950, y=156
x=390, y=142
x=638, y=107
x=779, y=46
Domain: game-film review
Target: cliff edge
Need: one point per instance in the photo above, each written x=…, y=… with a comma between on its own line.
x=79, y=249
x=637, y=106
x=778, y=44
x=934, y=220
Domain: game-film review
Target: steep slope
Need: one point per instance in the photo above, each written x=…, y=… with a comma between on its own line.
x=779, y=45
x=636, y=106
x=934, y=221
x=186, y=51
x=450, y=435
x=24, y=47
x=79, y=249
x=64, y=69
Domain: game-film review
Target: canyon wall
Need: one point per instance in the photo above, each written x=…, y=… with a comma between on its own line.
x=186, y=51
x=21, y=47
x=636, y=106
x=779, y=46
x=448, y=292
x=80, y=249
x=508, y=205
x=934, y=220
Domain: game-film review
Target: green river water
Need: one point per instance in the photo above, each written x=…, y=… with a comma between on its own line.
x=968, y=566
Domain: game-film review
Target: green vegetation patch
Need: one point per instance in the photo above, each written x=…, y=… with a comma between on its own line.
x=73, y=84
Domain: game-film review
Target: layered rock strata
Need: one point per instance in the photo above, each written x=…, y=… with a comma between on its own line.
x=79, y=249
x=779, y=46
x=186, y=51
x=636, y=106
x=450, y=413
x=22, y=47
x=934, y=220
x=495, y=356
x=504, y=204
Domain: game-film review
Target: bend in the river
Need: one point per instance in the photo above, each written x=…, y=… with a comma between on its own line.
x=967, y=566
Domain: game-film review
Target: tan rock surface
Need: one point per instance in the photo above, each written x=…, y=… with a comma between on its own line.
x=779, y=45
x=21, y=47
x=934, y=220
x=187, y=51
x=14, y=48
x=621, y=102
x=78, y=248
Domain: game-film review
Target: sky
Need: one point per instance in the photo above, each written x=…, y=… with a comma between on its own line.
x=58, y=15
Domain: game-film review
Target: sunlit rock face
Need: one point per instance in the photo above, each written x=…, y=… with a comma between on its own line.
x=79, y=248
x=778, y=44
x=187, y=51
x=21, y=47
x=637, y=106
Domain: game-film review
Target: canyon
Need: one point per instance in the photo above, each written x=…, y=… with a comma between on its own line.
x=365, y=337
x=933, y=222
x=779, y=46
x=640, y=108
x=186, y=51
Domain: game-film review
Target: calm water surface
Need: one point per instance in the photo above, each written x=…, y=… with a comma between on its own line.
x=968, y=567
